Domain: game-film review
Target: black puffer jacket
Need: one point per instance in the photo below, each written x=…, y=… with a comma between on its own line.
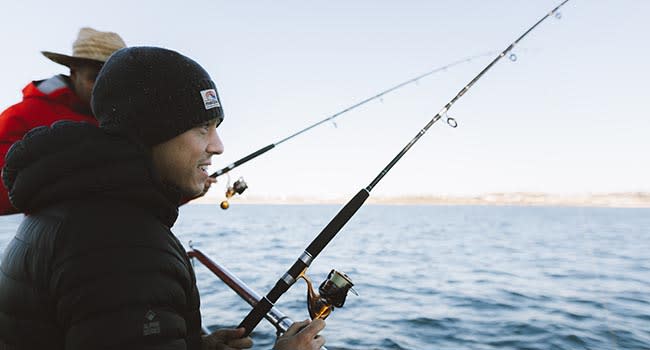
x=94, y=264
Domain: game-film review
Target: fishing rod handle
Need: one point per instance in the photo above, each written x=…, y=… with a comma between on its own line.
x=276, y=317
x=336, y=224
x=256, y=315
x=264, y=305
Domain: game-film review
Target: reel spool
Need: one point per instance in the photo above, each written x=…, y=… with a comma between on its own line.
x=331, y=294
x=237, y=188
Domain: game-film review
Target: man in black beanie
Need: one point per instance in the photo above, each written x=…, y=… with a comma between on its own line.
x=94, y=265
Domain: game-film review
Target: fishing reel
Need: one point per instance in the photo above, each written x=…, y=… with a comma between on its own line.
x=331, y=294
x=237, y=188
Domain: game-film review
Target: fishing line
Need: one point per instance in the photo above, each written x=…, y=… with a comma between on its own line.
x=267, y=148
x=345, y=214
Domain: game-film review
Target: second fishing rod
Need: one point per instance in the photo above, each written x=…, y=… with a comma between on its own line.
x=297, y=270
x=240, y=185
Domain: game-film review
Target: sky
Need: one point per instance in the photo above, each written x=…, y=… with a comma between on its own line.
x=569, y=116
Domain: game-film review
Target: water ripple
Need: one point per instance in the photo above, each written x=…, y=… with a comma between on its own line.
x=436, y=277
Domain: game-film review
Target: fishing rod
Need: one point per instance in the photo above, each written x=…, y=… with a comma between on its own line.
x=277, y=318
x=239, y=186
x=299, y=267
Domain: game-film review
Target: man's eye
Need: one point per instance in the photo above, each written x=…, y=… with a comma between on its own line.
x=204, y=129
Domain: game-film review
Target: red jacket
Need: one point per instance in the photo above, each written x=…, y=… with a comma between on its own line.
x=44, y=102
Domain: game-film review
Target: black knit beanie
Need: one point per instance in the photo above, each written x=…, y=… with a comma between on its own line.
x=153, y=94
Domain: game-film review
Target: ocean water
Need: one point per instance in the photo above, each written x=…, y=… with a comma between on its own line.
x=438, y=277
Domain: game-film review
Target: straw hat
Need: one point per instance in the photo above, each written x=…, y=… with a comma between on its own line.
x=91, y=46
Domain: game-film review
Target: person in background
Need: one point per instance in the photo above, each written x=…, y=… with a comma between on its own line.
x=60, y=97
x=94, y=264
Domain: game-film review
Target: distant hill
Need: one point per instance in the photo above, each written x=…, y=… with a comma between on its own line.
x=619, y=200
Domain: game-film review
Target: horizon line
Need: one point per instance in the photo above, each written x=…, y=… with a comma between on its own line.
x=640, y=199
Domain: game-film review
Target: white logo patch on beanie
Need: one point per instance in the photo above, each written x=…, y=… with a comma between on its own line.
x=210, y=99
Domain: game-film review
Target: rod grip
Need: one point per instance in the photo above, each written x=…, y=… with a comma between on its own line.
x=336, y=224
x=255, y=316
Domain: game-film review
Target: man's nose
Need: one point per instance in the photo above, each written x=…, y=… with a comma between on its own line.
x=216, y=145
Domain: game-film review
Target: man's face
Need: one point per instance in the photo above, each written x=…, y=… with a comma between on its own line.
x=183, y=161
x=83, y=79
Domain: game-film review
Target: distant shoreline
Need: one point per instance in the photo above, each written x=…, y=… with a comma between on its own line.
x=609, y=200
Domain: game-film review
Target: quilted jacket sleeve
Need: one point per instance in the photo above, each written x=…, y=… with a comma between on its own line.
x=12, y=129
x=124, y=284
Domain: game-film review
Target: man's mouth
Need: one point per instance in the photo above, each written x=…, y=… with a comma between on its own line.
x=204, y=167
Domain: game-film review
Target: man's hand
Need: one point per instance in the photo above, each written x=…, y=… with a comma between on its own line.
x=302, y=336
x=226, y=339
